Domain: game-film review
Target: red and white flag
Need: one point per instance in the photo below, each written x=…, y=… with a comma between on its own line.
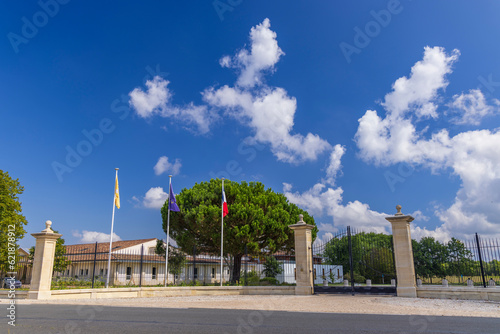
x=224, y=202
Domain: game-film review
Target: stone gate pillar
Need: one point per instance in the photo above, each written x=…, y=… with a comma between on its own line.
x=43, y=263
x=303, y=257
x=403, y=254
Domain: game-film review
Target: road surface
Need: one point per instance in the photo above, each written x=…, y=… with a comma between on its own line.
x=80, y=319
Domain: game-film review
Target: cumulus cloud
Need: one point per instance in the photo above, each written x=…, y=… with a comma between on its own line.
x=164, y=166
x=439, y=233
x=321, y=200
x=473, y=155
x=87, y=237
x=155, y=198
x=334, y=166
x=263, y=55
x=268, y=111
x=420, y=90
x=471, y=107
x=156, y=100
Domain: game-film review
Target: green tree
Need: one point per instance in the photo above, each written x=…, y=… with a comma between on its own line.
x=272, y=267
x=160, y=247
x=61, y=261
x=258, y=218
x=460, y=261
x=372, y=255
x=492, y=268
x=176, y=258
x=11, y=220
x=430, y=257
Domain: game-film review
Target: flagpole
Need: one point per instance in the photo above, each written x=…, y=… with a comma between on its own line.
x=222, y=236
x=168, y=229
x=111, y=236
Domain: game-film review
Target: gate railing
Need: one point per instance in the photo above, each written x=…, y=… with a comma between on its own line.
x=360, y=255
x=476, y=260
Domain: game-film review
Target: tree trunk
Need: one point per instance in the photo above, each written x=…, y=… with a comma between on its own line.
x=236, y=268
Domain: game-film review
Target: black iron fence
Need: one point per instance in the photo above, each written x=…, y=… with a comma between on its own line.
x=457, y=261
x=86, y=266
x=355, y=256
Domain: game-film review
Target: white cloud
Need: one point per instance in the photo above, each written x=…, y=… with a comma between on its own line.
x=155, y=198
x=164, y=166
x=426, y=79
x=473, y=155
x=268, y=111
x=438, y=233
x=323, y=239
x=270, y=114
x=418, y=215
x=334, y=166
x=87, y=237
x=471, y=107
x=157, y=101
x=154, y=101
x=264, y=54
x=321, y=200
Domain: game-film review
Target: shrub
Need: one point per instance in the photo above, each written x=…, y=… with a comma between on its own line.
x=272, y=267
x=252, y=277
x=357, y=277
x=269, y=281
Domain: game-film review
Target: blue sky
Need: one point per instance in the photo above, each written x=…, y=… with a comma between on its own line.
x=347, y=108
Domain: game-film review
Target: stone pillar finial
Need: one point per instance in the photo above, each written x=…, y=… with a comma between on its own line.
x=48, y=224
x=303, y=257
x=43, y=263
x=403, y=254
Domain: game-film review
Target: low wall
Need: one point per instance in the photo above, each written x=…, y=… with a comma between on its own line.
x=472, y=293
x=163, y=292
x=20, y=294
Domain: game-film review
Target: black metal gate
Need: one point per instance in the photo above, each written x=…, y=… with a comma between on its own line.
x=366, y=261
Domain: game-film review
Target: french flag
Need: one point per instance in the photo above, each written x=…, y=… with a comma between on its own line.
x=224, y=203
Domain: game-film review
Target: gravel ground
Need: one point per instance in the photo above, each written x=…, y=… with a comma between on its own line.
x=315, y=303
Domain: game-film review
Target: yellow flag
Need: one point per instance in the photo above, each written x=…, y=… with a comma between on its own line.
x=117, y=193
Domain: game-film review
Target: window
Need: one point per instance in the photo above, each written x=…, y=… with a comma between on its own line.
x=154, y=273
x=81, y=272
x=101, y=272
x=213, y=272
x=129, y=273
x=195, y=273
x=86, y=272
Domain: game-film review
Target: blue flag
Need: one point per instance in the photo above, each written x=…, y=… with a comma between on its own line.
x=172, y=205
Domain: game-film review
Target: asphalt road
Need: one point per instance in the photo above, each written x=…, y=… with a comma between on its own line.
x=80, y=319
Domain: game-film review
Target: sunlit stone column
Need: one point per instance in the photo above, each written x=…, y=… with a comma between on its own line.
x=403, y=254
x=303, y=257
x=43, y=263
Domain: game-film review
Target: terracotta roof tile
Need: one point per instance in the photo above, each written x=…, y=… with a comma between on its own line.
x=104, y=246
